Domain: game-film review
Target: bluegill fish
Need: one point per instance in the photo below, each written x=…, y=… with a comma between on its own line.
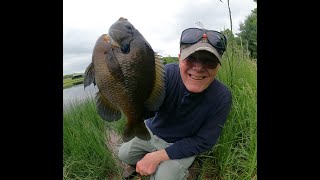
x=129, y=76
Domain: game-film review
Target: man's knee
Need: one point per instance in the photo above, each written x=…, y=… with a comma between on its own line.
x=134, y=150
x=123, y=153
x=171, y=170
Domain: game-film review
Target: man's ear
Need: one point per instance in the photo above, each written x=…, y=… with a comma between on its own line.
x=179, y=55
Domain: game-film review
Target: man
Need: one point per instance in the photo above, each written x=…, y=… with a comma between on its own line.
x=192, y=115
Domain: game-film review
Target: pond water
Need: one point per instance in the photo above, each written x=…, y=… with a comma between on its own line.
x=78, y=92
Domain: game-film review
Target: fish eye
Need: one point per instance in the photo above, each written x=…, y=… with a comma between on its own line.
x=125, y=48
x=128, y=27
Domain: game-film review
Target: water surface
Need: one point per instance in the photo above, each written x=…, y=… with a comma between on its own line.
x=78, y=92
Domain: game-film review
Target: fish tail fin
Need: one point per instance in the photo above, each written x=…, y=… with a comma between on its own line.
x=138, y=130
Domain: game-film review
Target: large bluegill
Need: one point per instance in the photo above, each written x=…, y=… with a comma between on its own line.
x=129, y=76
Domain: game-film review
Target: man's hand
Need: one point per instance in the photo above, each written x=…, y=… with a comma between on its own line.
x=149, y=163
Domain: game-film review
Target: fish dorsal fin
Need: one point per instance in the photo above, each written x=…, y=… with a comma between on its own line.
x=158, y=90
x=89, y=76
x=106, y=109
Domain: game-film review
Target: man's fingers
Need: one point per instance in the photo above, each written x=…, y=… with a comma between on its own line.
x=143, y=174
x=138, y=170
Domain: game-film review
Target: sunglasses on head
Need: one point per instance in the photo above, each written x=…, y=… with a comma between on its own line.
x=193, y=35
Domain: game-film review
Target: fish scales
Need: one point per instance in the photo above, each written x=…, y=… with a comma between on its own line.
x=135, y=78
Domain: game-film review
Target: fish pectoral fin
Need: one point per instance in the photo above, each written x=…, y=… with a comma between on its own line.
x=89, y=76
x=157, y=95
x=138, y=130
x=106, y=110
x=113, y=63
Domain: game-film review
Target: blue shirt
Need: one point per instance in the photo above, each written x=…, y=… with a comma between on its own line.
x=192, y=121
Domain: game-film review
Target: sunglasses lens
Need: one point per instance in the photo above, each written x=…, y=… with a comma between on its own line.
x=190, y=36
x=216, y=39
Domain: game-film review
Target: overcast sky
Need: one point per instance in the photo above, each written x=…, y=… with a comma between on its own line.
x=159, y=21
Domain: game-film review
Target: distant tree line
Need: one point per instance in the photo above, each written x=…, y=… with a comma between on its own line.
x=248, y=33
x=67, y=76
x=169, y=59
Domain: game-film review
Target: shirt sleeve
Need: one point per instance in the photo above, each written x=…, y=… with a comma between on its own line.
x=205, y=138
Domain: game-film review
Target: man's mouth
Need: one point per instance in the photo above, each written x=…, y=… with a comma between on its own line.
x=196, y=77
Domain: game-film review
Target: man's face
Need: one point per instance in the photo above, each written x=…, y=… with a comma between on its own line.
x=198, y=71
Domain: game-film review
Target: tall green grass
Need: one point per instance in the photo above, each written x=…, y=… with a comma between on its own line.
x=235, y=154
x=85, y=154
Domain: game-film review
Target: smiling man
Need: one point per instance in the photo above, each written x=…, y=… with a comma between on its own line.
x=194, y=110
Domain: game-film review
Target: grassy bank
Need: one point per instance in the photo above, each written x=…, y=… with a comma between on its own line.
x=233, y=157
x=85, y=155
x=69, y=82
x=235, y=154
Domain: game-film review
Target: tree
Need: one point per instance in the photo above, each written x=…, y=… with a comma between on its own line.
x=248, y=33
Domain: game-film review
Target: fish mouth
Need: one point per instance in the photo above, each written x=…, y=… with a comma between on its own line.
x=125, y=48
x=113, y=42
x=121, y=41
x=197, y=77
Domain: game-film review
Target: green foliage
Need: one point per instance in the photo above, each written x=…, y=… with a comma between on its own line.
x=248, y=33
x=227, y=33
x=85, y=155
x=235, y=154
x=169, y=59
x=67, y=76
x=69, y=82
